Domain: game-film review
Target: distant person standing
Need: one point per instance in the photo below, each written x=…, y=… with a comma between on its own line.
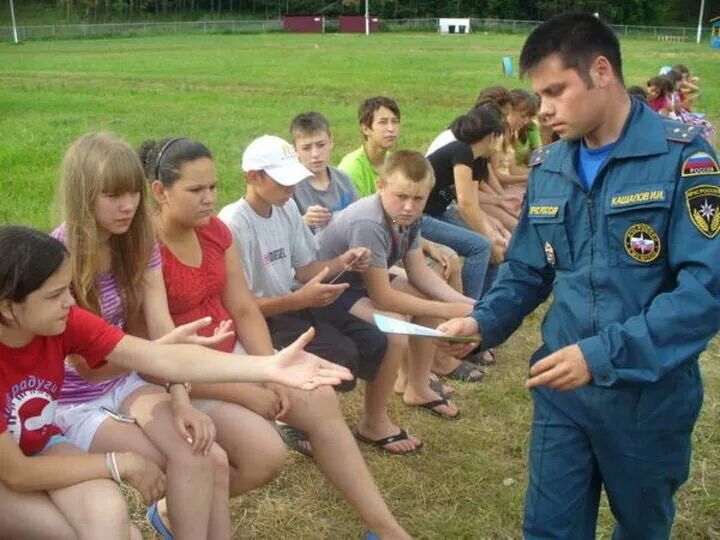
x=620, y=224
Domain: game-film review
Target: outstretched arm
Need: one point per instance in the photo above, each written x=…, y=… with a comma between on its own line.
x=291, y=367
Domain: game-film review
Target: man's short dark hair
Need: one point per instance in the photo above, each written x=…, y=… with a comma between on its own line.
x=578, y=39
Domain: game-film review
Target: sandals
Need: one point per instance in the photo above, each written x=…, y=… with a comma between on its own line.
x=464, y=372
x=153, y=516
x=479, y=358
x=433, y=405
x=382, y=444
x=294, y=438
x=438, y=387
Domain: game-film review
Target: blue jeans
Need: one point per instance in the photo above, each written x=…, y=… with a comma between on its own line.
x=474, y=247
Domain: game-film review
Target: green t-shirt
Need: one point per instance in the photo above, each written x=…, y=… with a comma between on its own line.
x=532, y=143
x=357, y=166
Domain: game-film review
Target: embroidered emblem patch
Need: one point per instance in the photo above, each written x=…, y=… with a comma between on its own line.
x=700, y=164
x=550, y=254
x=642, y=243
x=703, y=202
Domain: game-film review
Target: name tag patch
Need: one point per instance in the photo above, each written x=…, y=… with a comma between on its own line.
x=700, y=164
x=638, y=198
x=642, y=243
x=703, y=202
x=543, y=210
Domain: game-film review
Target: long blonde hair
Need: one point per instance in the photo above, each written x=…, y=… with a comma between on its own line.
x=103, y=163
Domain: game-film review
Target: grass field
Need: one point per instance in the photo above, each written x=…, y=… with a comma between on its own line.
x=226, y=90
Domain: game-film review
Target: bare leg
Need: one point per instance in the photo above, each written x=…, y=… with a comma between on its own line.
x=375, y=423
x=255, y=451
x=31, y=516
x=338, y=457
x=94, y=509
x=422, y=353
x=197, y=486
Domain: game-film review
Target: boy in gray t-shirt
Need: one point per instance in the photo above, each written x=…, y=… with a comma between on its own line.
x=329, y=189
x=277, y=248
x=288, y=282
x=388, y=224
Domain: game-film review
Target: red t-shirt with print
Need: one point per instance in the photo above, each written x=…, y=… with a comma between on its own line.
x=31, y=377
x=196, y=291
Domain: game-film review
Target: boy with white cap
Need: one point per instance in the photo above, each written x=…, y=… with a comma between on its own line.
x=279, y=258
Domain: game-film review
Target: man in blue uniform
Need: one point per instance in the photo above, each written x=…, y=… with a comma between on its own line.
x=620, y=223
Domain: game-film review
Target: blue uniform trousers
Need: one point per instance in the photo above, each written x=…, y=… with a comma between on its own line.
x=633, y=440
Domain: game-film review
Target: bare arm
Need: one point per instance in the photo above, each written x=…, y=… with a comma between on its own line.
x=291, y=367
x=24, y=474
x=385, y=298
x=250, y=327
x=467, y=200
x=428, y=282
x=492, y=185
x=505, y=178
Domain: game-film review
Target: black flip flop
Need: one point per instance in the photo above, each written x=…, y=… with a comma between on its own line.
x=430, y=406
x=381, y=444
x=294, y=438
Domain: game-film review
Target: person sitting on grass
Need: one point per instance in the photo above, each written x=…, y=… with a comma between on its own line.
x=50, y=488
x=117, y=275
x=379, y=119
x=526, y=138
x=453, y=215
x=276, y=248
x=388, y=224
x=329, y=189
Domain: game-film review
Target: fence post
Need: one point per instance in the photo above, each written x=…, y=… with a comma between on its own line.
x=204, y=27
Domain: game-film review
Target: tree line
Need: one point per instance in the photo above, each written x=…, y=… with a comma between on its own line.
x=642, y=12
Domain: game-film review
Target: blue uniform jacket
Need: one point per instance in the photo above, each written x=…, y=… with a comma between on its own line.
x=634, y=264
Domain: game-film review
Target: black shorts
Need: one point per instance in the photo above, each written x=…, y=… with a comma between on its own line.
x=339, y=337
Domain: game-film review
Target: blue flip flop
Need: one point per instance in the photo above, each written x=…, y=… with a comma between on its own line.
x=153, y=517
x=369, y=535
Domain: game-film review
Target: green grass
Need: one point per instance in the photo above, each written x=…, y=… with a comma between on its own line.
x=226, y=90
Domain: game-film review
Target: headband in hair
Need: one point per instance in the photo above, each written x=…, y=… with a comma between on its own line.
x=161, y=153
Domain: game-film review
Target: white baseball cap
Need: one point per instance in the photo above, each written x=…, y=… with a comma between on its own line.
x=277, y=158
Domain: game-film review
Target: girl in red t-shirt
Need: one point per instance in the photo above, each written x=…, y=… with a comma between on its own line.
x=48, y=487
x=204, y=276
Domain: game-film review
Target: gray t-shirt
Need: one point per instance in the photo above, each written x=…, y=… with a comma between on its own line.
x=339, y=194
x=270, y=248
x=364, y=224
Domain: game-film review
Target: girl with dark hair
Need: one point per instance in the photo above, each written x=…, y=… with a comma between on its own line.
x=204, y=276
x=453, y=202
x=49, y=488
x=659, y=93
x=453, y=215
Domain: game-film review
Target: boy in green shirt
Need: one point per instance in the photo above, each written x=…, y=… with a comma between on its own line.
x=380, y=124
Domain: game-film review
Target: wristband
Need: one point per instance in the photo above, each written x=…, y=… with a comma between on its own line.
x=111, y=464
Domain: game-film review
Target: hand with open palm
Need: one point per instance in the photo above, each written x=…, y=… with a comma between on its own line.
x=297, y=368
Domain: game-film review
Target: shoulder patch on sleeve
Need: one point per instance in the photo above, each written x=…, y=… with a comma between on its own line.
x=703, y=204
x=699, y=164
x=537, y=157
x=677, y=132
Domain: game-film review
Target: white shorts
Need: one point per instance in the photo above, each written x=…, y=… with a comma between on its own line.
x=80, y=421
